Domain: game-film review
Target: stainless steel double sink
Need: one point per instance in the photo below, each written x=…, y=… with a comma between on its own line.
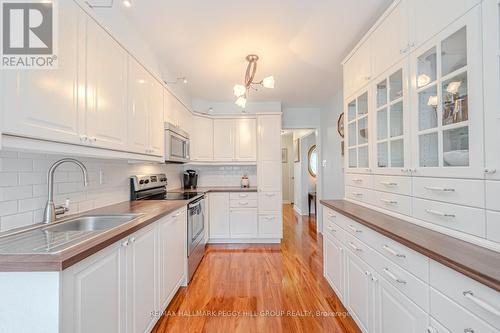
x=91, y=223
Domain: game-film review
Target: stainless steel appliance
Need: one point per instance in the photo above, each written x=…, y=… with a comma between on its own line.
x=190, y=179
x=176, y=144
x=154, y=187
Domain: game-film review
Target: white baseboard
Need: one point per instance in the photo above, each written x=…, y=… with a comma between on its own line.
x=245, y=241
x=297, y=209
x=286, y=202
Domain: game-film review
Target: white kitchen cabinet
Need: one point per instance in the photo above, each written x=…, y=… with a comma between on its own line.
x=491, y=70
x=334, y=264
x=172, y=231
x=170, y=109
x=156, y=133
x=358, y=115
x=106, y=97
x=142, y=282
x=270, y=225
x=243, y=222
x=93, y=293
x=391, y=122
x=430, y=17
x=269, y=176
x=390, y=40
x=44, y=104
x=447, y=103
x=269, y=139
x=245, y=139
x=139, y=87
x=219, y=215
x=395, y=313
x=202, y=134
x=357, y=69
x=224, y=139
x=359, y=292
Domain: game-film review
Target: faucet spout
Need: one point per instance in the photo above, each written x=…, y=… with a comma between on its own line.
x=51, y=211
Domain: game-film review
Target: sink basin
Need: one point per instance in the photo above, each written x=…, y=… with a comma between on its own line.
x=91, y=223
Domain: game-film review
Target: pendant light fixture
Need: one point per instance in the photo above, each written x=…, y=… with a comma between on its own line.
x=241, y=90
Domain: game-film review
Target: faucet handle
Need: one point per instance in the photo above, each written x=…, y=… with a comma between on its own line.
x=61, y=209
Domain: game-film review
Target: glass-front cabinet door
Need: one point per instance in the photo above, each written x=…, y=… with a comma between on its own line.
x=392, y=126
x=447, y=106
x=358, y=149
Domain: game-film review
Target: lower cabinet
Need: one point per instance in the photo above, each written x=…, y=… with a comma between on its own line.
x=219, y=215
x=123, y=287
x=243, y=222
x=334, y=265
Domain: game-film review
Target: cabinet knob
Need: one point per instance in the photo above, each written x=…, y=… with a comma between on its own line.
x=93, y=139
x=125, y=243
x=490, y=171
x=132, y=239
x=84, y=138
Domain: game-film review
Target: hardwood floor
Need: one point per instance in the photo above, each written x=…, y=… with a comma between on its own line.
x=261, y=288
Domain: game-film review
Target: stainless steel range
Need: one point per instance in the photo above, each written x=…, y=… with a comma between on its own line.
x=154, y=187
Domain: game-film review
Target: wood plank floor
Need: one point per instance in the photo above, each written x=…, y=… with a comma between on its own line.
x=261, y=288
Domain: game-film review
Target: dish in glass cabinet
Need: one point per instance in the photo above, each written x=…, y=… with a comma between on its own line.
x=456, y=158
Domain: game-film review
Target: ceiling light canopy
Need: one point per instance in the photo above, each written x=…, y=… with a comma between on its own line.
x=127, y=3
x=241, y=91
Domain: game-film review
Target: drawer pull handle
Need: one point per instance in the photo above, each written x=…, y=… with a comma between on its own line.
x=390, y=202
x=479, y=302
x=393, y=252
x=331, y=228
x=389, y=184
x=468, y=330
x=432, y=330
x=270, y=194
x=439, y=189
x=393, y=276
x=438, y=213
x=243, y=203
x=331, y=215
x=357, y=180
x=243, y=195
x=354, y=229
x=269, y=218
x=354, y=247
x=357, y=194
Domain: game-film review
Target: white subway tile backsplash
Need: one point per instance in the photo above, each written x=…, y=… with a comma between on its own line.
x=23, y=184
x=209, y=175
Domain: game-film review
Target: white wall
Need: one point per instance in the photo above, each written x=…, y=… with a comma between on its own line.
x=330, y=155
x=23, y=184
x=301, y=118
x=287, y=168
x=224, y=175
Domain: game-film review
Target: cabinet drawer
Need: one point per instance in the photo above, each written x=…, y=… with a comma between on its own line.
x=456, y=191
x=331, y=229
x=473, y=296
x=392, y=184
x=436, y=327
x=243, y=195
x=399, y=254
x=354, y=228
x=493, y=226
x=270, y=201
x=397, y=203
x=454, y=317
x=358, y=193
x=270, y=225
x=405, y=282
x=465, y=219
x=359, y=180
x=492, y=195
x=243, y=203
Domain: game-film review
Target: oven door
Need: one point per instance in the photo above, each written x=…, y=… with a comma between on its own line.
x=177, y=147
x=196, y=224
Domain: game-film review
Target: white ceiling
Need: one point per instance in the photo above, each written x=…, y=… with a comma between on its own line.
x=300, y=42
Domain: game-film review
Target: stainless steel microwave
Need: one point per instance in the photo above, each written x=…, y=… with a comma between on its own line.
x=176, y=144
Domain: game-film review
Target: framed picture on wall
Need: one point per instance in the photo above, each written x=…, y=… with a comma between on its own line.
x=296, y=150
x=284, y=155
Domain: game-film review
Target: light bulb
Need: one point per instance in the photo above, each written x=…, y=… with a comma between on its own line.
x=127, y=3
x=239, y=90
x=241, y=102
x=423, y=80
x=184, y=80
x=268, y=82
x=432, y=101
x=453, y=87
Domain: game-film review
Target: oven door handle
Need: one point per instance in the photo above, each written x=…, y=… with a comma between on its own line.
x=194, y=205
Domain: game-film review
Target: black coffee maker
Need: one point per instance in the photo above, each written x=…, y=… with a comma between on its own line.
x=190, y=179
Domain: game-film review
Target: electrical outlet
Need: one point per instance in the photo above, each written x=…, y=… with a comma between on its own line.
x=324, y=163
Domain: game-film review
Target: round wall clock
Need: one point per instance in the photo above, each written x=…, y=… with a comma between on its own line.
x=340, y=125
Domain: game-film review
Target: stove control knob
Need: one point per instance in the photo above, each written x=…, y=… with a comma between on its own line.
x=141, y=181
x=146, y=181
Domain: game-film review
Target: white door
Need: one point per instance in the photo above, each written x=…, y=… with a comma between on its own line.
x=142, y=275
x=219, y=215
x=392, y=148
x=395, y=313
x=245, y=139
x=243, y=223
x=202, y=148
x=156, y=128
x=359, y=292
x=447, y=102
x=139, y=87
x=44, y=103
x=224, y=139
x=172, y=254
x=390, y=41
x=93, y=293
x=358, y=114
x=334, y=265
x=430, y=17
x=106, y=115
x=269, y=139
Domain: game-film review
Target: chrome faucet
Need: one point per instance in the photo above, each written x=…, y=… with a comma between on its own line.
x=51, y=211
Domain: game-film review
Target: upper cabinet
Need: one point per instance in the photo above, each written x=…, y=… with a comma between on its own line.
x=358, y=145
x=357, y=70
x=44, y=104
x=223, y=139
x=235, y=140
x=202, y=139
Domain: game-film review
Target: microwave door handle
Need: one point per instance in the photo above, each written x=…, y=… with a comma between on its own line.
x=187, y=149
